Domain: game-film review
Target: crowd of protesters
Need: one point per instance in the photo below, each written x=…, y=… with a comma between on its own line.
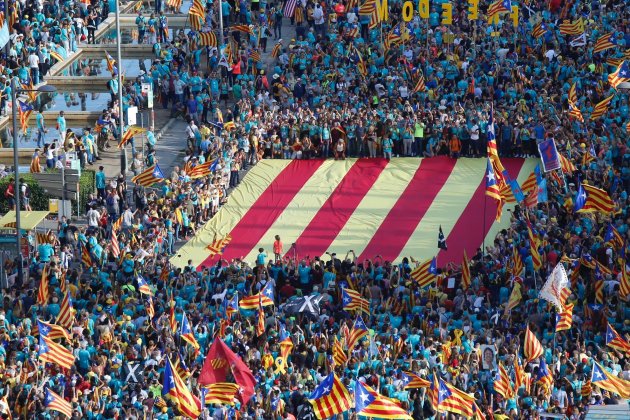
x=310, y=100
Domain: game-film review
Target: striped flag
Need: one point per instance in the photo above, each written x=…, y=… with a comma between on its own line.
x=266, y=296
x=175, y=4
x=515, y=297
x=86, y=257
x=149, y=177
x=466, y=278
x=286, y=344
x=197, y=9
x=36, y=166
x=426, y=273
x=605, y=380
x=254, y=55
x=572, y=28
x=590, y=199
x=369, y=403
x=532, y=349
x=539, y=29
x=231, y=306
x=130, y=132
x=24, y=113
x=605, y=42
x=624, y=284
x=531, y=182
x=493, y=190
x=420, y=85
x=148, y=307
x=411, y=381
x=54, y=54
x=614, y=340
x=544, y=377
x=143, y=286
x=51, y=331
x=574, y=112
x=359, y=330
x=289, y=8
x=586, y=390
x=115, y=245
x=499, y=6
x=502, y=383
x=111, y=63
x=330, y=397
x=260, y=324
x=181, y=368
x=353, y=301
x=51, y=352
x=174, y=386
x=622, y=74
x=42, y=292
x=564, y=320
x=446, y=397
x=566, y=165
x=517, y=262
x=382, y=191
x=533, y=246
x=186, y=332
x=117, y=224
x=338, y=353
x=207, y=39
x=241, y=28
x=275, y=53
x=221, y=393
x=613, y=237
x=218, y=245
x=601, y=108
x=56, y=402
x=65, y=318
x=520, y=377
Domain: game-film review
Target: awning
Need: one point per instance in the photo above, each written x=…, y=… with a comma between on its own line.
x=28, y=219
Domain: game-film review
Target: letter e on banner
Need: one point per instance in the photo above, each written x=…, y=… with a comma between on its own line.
x=473, y=9
x=447, y=14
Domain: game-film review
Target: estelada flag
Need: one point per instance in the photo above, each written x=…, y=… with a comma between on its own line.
x=219, y=360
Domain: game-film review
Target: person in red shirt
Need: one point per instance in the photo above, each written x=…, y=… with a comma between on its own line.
x=277, y=248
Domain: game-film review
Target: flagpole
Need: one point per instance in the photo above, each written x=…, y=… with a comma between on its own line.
x=483, y=232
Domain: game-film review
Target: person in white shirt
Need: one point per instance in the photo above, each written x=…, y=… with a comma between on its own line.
x=33, y=63
x=318, y=16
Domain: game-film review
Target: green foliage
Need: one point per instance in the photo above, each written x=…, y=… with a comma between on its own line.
x=87, y=185
x=39, y=199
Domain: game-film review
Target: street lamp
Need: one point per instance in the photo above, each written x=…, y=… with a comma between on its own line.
x=16, y=195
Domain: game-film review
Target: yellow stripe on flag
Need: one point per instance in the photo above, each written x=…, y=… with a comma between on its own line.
x=374, y=207
x=304, y=206
x=241, y=199
x=452, y=201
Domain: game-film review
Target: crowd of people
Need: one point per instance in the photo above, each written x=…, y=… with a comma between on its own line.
x=339, y=88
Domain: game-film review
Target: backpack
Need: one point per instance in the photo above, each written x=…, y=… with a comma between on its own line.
x=27, y=191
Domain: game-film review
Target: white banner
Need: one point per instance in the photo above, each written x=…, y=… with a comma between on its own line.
x=552, y=289
x=4, y=35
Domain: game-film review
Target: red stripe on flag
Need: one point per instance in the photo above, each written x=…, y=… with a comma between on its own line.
x=402, y=220
x=463, y=235
x=334, y=214
x=261, y=216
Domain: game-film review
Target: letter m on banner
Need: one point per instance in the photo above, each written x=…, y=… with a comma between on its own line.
x=382, y=9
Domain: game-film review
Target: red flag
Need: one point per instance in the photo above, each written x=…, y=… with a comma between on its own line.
x=219, y=360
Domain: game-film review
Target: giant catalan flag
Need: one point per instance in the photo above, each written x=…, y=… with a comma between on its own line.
x=369, y=205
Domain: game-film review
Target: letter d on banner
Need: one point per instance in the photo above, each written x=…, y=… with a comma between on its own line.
x=423, y=9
